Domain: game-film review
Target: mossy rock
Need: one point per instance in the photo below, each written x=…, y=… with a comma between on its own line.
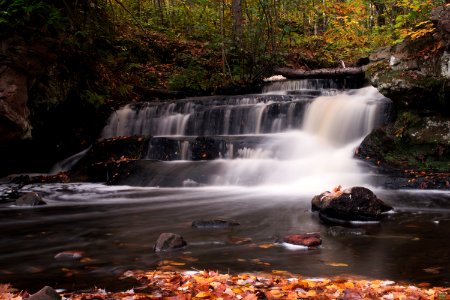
x=412, y=141
x=105, y=157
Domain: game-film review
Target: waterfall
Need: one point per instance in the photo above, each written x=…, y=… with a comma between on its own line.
x=297, y=134
x=344, y=117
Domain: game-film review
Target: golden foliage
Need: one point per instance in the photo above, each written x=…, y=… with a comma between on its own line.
x=213, y=285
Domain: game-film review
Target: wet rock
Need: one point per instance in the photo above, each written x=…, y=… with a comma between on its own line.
x=205, y=148
x=104, y=159
x=46, y=293
x=353, y=204
x=30, y=199
x=214, y=223
x=169, y=242
x=345, y=231
x=303, y=239
x=69, y=255
x=413, y=142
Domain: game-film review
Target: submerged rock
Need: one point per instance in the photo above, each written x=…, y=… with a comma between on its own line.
x=46, y=293
x=303, y=239
x=169, y=242
x=353, y=204
x=345, y=231
x=214, y=223
x=69, y=255
x=30, y=199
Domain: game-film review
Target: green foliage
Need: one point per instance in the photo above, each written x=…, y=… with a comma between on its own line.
x=92, y=99
x=20, y=15
x=195, y=78
x=327, y=31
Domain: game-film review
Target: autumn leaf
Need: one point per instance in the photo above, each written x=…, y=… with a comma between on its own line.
x=266, y=246
x=337, y=264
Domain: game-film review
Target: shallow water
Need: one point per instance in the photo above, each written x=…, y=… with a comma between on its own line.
x=277, y=150
x=116, y=227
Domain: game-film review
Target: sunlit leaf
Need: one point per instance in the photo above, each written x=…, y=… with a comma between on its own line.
x=337, y=264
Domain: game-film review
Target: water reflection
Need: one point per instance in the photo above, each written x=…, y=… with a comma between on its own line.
x=116, y=227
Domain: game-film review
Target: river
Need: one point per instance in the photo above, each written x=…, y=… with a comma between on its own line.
x=276, y=151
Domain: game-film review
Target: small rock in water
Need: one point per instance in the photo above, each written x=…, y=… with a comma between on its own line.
x=169, y=242
x=344, y=231
x=69, y=255
x=30, y=199
x=46, y=293
x=304, y=239
x=214, y=223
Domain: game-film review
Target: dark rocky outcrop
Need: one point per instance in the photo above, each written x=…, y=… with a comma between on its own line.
x=303, y=239
x=353, y=204
x=102, y=162
x=46, y=293
x=415, y=141
x=169, y=242
x=14, y=123
x=415, y=75
x=214, y=223
x=41, y=105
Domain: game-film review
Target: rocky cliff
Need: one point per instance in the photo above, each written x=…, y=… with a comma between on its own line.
x=415, y=74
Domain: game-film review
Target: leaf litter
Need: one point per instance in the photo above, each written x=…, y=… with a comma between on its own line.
x=187, y=285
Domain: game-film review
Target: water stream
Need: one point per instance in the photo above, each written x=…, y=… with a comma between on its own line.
x=276, y=150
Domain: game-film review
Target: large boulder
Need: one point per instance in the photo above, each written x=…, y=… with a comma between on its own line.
x=353, y=204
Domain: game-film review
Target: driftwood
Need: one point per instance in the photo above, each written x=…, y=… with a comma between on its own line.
x=319, y=73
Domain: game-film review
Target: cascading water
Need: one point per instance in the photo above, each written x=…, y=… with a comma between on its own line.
x=297, y=134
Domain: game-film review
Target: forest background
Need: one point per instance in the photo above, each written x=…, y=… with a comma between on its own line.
x=89, y=57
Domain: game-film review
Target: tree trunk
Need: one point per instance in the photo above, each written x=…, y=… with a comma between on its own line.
x=236, y=8
x=321, y=73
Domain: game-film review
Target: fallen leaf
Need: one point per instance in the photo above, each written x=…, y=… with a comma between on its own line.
x=266, y=246
x=203, y=295
x=337, y=264
x=433, y=270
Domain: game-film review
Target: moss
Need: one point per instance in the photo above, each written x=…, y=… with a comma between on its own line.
x=373, y=68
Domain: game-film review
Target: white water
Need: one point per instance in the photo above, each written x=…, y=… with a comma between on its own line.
x=294, y=160
x=345, y=117
x=314, y=155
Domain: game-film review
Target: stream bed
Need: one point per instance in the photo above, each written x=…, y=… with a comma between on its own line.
x=114, y=229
